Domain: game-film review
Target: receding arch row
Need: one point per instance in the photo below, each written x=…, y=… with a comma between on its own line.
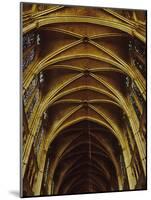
x=64, y=125
x=49, y=101
x=70, y=144
x=85, y=118
x=99, y=176
x=51, y=98
x=71, y=168
x=73, y=147
x=41, y=115
x=77, y=181
x=93, y=120
x=102, y=124
x=33, y=129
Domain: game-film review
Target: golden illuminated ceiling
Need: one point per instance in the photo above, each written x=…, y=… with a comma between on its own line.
x=84, y=59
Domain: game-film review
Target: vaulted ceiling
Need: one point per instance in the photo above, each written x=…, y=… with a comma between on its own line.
x=84, y=60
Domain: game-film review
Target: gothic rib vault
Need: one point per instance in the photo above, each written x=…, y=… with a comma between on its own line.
x=84, y=99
